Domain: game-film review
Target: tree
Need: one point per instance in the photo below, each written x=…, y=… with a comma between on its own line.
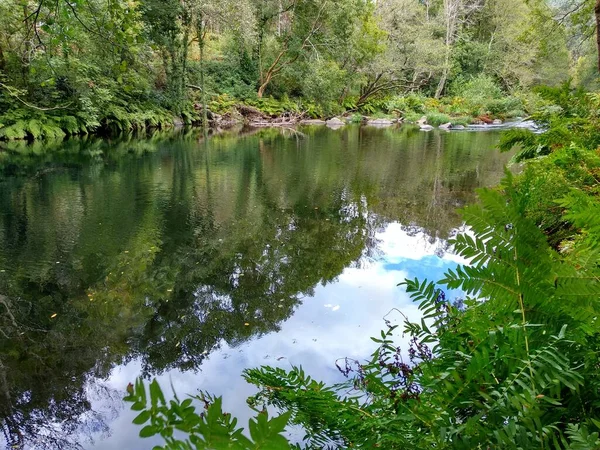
x=455, y=14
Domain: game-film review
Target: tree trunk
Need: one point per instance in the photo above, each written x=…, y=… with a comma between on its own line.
x=273, y=69
x=263, y=86
x=2, y=60
x=201, y=42
x=184, y=58
x=203, y=94
x=442, y=84
x=597, y=14
x=450, y=16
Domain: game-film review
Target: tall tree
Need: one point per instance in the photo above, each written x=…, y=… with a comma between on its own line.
x=455, y=14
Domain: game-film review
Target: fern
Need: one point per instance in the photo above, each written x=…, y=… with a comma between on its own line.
x=507, y=371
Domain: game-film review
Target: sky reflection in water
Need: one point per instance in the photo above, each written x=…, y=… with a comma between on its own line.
x=336, y=322
x=130, y=256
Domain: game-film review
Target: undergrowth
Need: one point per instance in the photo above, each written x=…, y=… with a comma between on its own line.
x=32, y=125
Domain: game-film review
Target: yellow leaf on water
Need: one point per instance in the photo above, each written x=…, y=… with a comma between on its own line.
x=246, y=323
x=53, y=316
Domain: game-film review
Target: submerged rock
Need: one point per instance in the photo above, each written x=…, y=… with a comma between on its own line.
x=425, y=127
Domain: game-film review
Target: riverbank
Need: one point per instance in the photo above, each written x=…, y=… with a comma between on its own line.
x=225, y=112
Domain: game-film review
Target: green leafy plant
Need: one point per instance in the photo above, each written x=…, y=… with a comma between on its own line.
x=503, y=368
x=210, y=429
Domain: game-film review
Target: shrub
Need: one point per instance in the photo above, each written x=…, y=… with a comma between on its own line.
x=478, y=89
x=436, y=118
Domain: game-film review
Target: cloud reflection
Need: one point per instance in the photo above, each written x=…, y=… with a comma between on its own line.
x=336, y=322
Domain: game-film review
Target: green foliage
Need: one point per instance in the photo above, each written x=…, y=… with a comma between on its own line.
x=23, y=124
x=150, y=59
x=132, y=117
x=478, y=88
x=323, y=84
x=211, y=429
x=507, y=370
x=569, y=118
x=435, y=118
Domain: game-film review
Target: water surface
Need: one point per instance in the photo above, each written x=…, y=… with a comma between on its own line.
x=189, y=260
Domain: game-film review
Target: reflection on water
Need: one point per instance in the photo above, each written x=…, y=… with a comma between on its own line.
x=191, y=260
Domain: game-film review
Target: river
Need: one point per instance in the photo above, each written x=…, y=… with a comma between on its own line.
x=189, y=260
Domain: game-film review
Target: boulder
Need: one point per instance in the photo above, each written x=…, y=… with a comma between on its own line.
x=312, y=122
x=458, y=127
x=421, y=121
x=497, y=122
x=335, y=123
x=379, y=122
x=446, y=126
x=425, y=127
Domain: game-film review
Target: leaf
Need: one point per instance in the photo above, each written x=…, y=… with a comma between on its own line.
x=278, y=424
x=148, y=431
x=156, y=394
x=143, y=417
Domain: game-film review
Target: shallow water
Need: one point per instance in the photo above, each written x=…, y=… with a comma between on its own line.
x=190, y=260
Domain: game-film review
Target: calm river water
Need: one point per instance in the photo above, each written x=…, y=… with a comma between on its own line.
x=190, y=260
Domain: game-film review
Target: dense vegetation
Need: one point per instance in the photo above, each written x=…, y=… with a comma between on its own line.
x=73, y=67
x=513, y=364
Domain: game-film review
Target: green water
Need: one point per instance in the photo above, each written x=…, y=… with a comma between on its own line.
x=155, y=255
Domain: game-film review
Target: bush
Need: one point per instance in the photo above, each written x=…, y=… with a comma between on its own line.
x=478, y=89
x=502, y=106
x=436, y=118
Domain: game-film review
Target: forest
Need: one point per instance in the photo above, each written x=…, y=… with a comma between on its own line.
x=511, y=363
x=97, y=66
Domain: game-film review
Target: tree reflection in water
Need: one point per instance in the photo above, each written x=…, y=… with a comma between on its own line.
x=160, y=248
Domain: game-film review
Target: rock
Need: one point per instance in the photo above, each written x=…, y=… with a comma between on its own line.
x=312, y=122
x=422, y=121
x=446, y=126
x=496, y=122
x=335, y=123
x=425, y=127
x=178, y=122
x=458, y=127
x=379, y=122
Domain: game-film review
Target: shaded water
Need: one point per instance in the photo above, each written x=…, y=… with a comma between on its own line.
x=189, y=260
